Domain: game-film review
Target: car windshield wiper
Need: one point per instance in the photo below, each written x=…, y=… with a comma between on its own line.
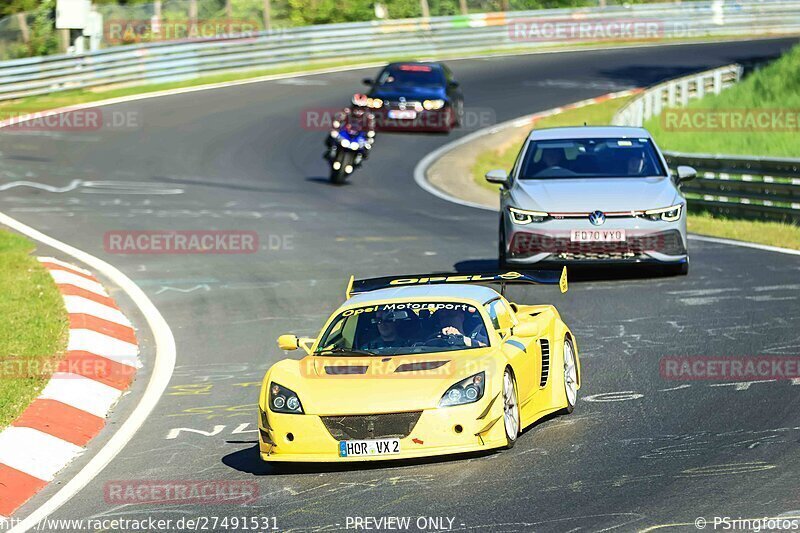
x=348, y=351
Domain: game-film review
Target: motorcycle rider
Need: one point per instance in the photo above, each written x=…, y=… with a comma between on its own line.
x=353, y=119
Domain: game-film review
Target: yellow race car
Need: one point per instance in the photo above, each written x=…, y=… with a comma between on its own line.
x=420, y=366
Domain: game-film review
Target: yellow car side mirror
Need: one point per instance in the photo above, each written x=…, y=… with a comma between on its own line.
x=288, y=342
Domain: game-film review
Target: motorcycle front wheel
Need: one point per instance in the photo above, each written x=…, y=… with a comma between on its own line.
x=344, y=159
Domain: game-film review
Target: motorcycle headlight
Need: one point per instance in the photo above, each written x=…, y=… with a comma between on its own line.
x=667, y=214
x=522, y=217
x=283, y=400
x=432, y=105
x=345, y=143
x=466, y=391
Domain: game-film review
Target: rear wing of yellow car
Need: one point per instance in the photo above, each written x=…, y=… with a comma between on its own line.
x=547, y=277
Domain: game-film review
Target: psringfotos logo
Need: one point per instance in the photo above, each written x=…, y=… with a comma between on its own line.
x=178, y=492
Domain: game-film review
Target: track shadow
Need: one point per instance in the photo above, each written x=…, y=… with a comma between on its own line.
x=577, y=273
x=249, y=461
x=646, y=75
x=326, y=181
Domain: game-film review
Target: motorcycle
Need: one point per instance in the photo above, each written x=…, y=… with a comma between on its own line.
x=348, y=149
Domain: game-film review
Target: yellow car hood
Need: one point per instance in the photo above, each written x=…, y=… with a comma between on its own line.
x=363, y=385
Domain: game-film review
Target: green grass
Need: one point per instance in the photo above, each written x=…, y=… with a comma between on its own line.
x=593, y=115
x=780, y=234
x=775, y=87
x=33, y=325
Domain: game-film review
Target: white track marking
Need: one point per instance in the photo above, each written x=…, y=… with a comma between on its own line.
x=91, y=341
x=163, y=365
x=35, y=453
x=84, y=306
x=745, y=244
x=81, y=393
x=74, y=184
x=68, y=278
x=64, y=264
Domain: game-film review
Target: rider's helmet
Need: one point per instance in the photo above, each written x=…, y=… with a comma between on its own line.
x=360, y=101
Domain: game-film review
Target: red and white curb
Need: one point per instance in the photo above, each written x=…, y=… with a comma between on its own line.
x=100, y=363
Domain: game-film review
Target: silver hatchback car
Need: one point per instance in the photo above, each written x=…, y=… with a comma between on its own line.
x=592, y=195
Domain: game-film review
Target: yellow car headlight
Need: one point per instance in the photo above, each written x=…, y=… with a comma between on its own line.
x=523, y=217
x=283, y=400
x=468, y=390
x=433, y=105
x=667, y=214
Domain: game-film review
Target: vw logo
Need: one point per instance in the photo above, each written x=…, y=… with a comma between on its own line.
x=597, y=217
x=402, y=104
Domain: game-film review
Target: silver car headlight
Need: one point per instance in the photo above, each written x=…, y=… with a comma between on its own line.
x=667, y=214
x=466, y=391
x=283, y=400
x=522, y=217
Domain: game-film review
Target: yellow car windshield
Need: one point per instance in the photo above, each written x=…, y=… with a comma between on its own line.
x=405, y=328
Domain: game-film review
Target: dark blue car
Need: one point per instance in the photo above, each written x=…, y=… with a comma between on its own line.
x=416, y=96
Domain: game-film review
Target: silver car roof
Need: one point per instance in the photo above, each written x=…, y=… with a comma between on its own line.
x=587, y=132
x=478, y=293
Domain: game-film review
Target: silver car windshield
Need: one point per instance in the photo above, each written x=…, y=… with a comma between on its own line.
x=590, y=158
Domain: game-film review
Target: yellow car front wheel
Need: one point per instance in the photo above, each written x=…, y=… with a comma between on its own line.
x=570, y=375
x=510, y=408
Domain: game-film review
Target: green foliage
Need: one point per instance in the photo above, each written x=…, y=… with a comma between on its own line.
x=44, y=40
x=775, y=87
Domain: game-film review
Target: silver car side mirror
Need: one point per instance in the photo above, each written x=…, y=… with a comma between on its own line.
x=686, y=173
x=498, y=176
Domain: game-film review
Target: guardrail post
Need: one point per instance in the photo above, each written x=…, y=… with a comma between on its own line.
x=658, y=100
x=717, y=82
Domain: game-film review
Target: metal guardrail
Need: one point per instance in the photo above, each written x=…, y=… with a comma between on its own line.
x=741, y=186
x=171, y=61
x=675, y=93
x=750, y=187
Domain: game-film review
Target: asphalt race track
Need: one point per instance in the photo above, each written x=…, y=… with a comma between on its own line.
x=645, y=452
